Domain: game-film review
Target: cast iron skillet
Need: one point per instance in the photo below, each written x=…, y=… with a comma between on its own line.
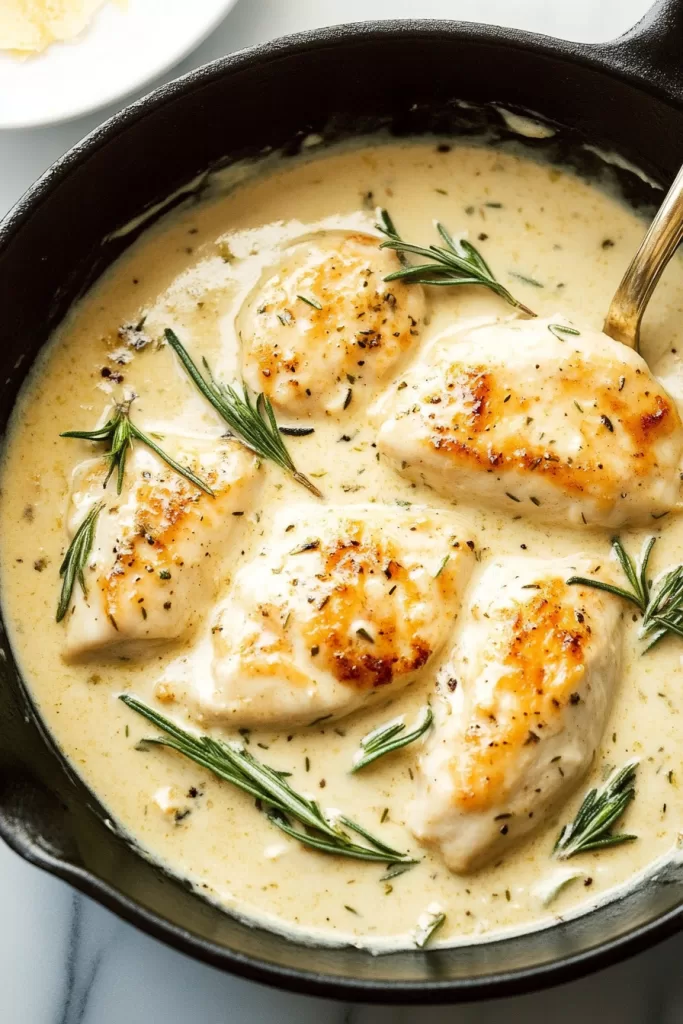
x=625, y=96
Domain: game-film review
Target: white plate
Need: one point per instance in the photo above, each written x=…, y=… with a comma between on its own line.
x=123, y=48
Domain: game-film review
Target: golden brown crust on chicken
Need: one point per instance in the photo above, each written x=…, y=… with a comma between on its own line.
x=325, y=325
x=147, y=577
x=569, y=428
x=542, y=667
x=525, y=696
x=347, y=603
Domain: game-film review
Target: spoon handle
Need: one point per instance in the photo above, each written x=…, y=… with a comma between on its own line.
x=633, y=294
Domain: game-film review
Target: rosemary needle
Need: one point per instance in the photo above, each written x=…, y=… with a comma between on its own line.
x=661, y=603
x=75, y=558
x=119, y=432
x=253, y=423
x=310, y=301
x=396, y=869
x=270, y=787
x=453, y=263
x=387, y=738
x=592, y=826
x=433, y=920
x=558, y=329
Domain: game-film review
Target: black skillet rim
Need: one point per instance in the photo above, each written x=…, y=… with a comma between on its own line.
x=601, y=57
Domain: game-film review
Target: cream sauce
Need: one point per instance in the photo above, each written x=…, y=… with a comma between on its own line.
x=192, y=272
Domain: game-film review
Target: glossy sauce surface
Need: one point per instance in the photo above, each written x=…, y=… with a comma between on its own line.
x=557, y=243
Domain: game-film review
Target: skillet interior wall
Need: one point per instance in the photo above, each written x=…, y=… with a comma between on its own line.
x=58, y=252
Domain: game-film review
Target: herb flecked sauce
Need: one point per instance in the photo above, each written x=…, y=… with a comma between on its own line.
x=533, y=223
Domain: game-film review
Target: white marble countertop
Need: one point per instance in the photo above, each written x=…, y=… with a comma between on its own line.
x=65, y=960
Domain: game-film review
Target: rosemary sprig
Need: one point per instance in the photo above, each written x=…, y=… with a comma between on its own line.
x=661, y=603
x=592, y=826
x=283, y=804
x=254, y=424
x=387, y=738
x=119, y=432
x=75, y=558
x=454, y=263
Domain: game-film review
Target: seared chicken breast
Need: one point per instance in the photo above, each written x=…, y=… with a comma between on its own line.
x=527, y=417
x=524, y=700
x=158, y=546
x=344, y=605
x=324, y=326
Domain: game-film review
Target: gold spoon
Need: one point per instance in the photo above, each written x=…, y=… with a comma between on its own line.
x=633, y=294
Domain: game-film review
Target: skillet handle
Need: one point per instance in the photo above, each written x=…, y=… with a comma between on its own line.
x=652, y=51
